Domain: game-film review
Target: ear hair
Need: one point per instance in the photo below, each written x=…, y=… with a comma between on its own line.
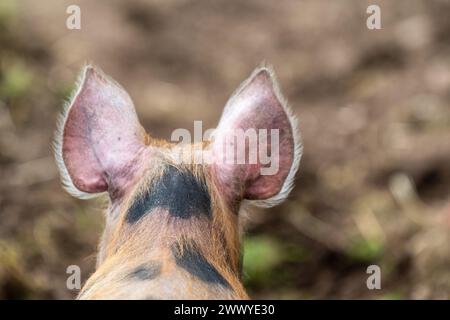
x=288, y=183
x=66, y=180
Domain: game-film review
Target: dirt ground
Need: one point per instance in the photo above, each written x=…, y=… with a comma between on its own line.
x=374, y=107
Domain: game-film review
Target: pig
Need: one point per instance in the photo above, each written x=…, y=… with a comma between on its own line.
x=173, y=227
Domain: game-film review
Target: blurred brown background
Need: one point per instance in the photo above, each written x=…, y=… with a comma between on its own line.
x=374, y=106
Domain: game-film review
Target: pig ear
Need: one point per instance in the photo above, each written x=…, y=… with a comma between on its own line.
x=99, y=139
x=258, y=106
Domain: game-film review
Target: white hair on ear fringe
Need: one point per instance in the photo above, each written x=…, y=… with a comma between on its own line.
x=288, y=183
x=66, y=180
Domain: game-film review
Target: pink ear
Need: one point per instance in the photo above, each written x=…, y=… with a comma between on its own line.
x=100, y=137
x=257, y=111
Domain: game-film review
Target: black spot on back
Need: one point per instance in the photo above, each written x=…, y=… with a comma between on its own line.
x=196, y=264
x=146, y=271
x=177, y=191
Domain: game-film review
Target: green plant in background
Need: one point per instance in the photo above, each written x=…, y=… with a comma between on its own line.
x=8, y=10
x=365, y=250
x=16, y=80
x=393, y=295
x=262, y=257
x=261, y=254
